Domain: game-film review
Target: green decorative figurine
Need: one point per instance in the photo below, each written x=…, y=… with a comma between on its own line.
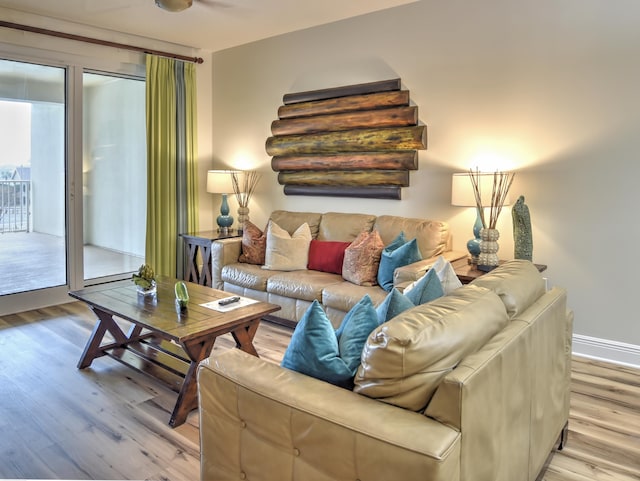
x=522, y=240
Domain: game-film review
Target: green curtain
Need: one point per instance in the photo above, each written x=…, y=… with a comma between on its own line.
x=171, y=162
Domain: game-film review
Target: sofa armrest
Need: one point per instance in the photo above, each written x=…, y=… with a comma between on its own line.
x=223, y=252
x=404, y=275
x=262, y=420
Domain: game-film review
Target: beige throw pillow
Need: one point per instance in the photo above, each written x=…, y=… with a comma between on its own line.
x=287, y=252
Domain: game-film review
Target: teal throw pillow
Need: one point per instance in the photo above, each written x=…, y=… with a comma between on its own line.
x=393, y=304
x=354, y=331
x=397, y=254
x=425, y=289
x=318, y=350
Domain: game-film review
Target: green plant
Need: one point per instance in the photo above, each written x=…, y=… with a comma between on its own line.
x=144, y=277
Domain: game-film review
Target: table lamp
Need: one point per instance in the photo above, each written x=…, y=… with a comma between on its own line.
x=462, y=195
x=220, y=182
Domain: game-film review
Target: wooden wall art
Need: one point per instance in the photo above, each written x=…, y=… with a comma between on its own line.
x=353, y=141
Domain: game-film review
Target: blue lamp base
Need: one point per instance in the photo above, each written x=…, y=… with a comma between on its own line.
x=224, y=220
x=473, y=245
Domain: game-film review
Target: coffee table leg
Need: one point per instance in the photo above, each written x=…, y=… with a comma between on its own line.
x=188, y=396
x=92, y=349
x=244, y=337
x=197, y=351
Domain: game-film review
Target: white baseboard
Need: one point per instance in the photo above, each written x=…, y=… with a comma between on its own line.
x=605, y=350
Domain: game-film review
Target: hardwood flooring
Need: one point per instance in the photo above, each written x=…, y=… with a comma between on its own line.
x=110, y=422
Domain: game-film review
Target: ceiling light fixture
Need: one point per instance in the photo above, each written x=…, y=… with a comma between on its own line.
x=174, y=5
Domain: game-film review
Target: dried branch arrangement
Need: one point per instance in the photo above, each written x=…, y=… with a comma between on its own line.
x=244, y=189
x=501, y=184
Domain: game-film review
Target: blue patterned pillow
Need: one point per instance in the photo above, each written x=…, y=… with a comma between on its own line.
x=397, y=254
x=317, y=350
x=394, y=304
x=425, y=289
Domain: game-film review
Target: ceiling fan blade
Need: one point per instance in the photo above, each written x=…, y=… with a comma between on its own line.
x=214, y=3
x=174, y=5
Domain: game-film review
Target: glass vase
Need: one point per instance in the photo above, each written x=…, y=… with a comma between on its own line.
x=147, y=292
x=488, y=258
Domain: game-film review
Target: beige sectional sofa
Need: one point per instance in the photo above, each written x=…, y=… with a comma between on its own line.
x=294, y=291
x=490, y=412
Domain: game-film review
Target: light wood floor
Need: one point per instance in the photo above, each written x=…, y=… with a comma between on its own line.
x=109, y=422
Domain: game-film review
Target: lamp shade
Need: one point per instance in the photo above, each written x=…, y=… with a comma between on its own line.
x=219, y=182
x=462, y=189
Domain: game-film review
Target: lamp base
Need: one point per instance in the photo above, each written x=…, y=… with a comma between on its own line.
x=473, y=245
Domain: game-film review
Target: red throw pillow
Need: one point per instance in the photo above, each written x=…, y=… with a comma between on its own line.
x=327, y=256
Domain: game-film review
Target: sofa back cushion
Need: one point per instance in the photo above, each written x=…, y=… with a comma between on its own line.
x=517, y=282
x=290, y=221
x=336, y=226
x=405, y=359
x=433, y=237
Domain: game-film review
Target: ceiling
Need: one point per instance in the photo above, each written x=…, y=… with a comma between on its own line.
x=208, y=24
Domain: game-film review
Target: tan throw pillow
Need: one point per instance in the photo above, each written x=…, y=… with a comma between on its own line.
x=287, y=252
x=254, y=244
x=362, y=258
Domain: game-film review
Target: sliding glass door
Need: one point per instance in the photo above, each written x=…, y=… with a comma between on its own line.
x=33, y=253
x=72, y=180
x=114, y=175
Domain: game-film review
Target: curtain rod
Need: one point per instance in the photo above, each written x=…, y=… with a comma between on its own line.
x=80, y=38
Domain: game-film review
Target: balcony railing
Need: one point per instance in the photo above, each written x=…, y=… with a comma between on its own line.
x=15, y=205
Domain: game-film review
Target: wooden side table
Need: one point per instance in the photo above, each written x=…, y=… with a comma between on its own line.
x=201, y=242
x=467, y=272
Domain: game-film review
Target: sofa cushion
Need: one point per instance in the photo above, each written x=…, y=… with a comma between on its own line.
x=287, y=252
x=344, y=295
x=398, y=253
x=425, y=289
x=327, y=256
x=249, y=276
x=362, y=259
x=290, y=221
x=317, y=350
x=433, y=237
x=395, y=303
x=254, y=244
x=404, y=360
x=305, y=285
x=338, y=226
x=518, y=283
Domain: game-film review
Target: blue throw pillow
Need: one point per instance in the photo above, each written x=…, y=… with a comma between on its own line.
x=354, y=331
x=397, y=254
x=317, y=350
x=394, y=304
x=425, y=289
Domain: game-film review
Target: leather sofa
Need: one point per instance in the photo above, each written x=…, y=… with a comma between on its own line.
x=495, y=414
x=294, y=291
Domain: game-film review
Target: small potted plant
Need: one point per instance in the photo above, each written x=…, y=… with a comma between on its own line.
x=145, y=280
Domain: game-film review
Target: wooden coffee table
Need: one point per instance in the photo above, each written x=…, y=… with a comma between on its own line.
x=162, y=341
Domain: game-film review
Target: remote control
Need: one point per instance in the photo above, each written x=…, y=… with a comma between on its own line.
x=229, y=300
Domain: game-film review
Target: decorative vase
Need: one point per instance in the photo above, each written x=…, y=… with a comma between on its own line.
x=488, y=258
x=149, y=291
x=243, y=216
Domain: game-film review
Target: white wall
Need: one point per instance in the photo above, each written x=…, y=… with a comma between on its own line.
x=550, y=87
